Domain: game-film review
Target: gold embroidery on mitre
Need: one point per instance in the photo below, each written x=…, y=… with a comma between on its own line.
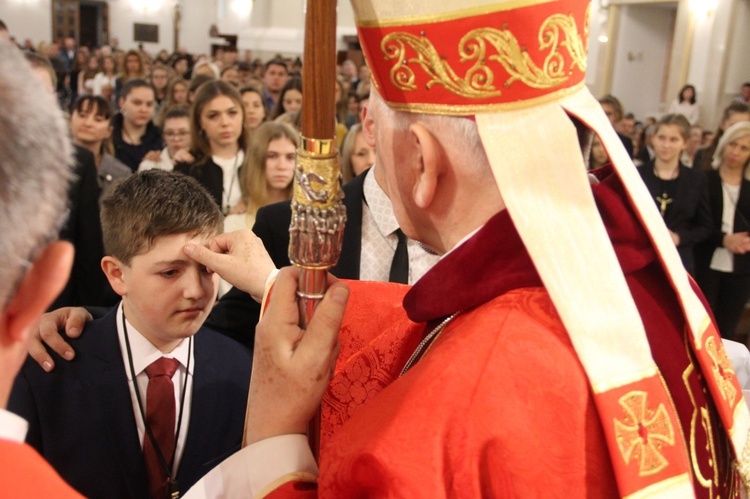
x=557, y=31
x=643, y=432
x=722, y=370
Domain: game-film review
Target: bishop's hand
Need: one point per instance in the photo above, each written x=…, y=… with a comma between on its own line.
x=292, y=366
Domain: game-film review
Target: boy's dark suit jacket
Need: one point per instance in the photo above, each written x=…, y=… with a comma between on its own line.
x=237, y=313
x=81, y=416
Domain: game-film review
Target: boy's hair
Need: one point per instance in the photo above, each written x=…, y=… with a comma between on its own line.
x=151, y=204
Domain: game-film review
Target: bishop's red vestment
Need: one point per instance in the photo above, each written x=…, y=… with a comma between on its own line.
x=499, y=405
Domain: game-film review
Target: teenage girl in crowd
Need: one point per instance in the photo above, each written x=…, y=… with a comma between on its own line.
x=176, y=135
x=107, y=76
x=159, y=79
x=356, y=154
x=135, y=134
x=91, y=129
x=255, y=107
x=267, y=177
x=177, y=93
x=218, y=139
x=680, y=193
x=598, y=156
x=723, y=261
x=290, y=98
x=87, y=75
x=132, y=67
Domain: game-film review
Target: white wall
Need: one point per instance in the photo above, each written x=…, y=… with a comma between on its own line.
x=124, y=13
x=641, y=58
x=738, y=64
x=278, y=27
x=28, y=19
x=33, y=19
x=197, y=17
x=709, y=55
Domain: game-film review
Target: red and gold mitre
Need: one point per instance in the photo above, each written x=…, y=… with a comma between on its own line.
x=518, y=67
x=480, y=59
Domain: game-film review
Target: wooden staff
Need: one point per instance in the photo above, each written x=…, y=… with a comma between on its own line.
x=318, y=215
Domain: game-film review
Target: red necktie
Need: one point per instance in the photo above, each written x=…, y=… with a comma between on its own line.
x=160, y=417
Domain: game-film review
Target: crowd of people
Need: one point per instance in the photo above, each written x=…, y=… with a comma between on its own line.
x=687, y=172
x=171, y=151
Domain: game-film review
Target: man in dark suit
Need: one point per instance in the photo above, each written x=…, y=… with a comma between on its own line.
x=82, y=420
x=365, y=241
x=154, y=398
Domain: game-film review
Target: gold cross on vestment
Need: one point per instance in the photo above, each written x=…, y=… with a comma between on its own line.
x=663, y=201
x=643, y=433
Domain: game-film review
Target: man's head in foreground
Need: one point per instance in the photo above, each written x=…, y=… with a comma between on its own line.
x=35, y=171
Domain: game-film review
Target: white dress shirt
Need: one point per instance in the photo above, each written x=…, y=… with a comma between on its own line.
x=379, y=239
x=12, y=427
x=231, y=192
x=165, y=163
x=145, y=353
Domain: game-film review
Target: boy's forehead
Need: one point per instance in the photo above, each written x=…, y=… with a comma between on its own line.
x=170, y=246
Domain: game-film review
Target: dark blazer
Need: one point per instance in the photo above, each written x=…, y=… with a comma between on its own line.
x=704, y=252
x=237, y=313
x=689, y=215
x=130, y=154
x=627, y=142
x=81, y=416
x=208, y=174
x=87, y=284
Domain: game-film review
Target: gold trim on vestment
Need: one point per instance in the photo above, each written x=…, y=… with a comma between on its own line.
x=471, y=109
x=447, y=16
x=707, y=427
x=478, y=83
x=643, y=431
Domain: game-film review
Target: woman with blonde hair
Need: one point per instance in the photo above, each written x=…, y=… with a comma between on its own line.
x=177, y=96
x=132, y=67
x=265, y=178
x=269, y=173
x=356, y=154
x=723, y=261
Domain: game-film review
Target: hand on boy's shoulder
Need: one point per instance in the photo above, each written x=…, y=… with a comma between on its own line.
x=71, y=320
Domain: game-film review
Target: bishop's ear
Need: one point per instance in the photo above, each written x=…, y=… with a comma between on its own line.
x=368, y=127
x=430, y=156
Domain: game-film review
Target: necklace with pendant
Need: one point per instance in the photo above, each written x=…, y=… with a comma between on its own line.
x=665, y=199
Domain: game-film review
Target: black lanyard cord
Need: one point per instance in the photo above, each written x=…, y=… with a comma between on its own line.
x=159, y=454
